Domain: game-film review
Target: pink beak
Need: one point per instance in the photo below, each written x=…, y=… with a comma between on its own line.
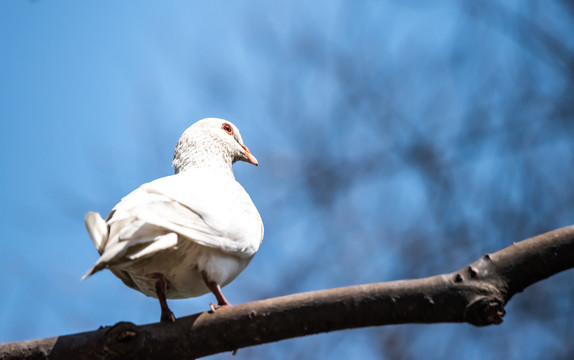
x=250, y=158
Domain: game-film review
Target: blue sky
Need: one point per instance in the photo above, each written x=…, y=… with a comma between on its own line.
x=94, y=96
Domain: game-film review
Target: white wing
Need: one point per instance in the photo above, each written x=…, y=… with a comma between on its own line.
x=210, y=210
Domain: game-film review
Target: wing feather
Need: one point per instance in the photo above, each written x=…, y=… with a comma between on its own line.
x=211, y=211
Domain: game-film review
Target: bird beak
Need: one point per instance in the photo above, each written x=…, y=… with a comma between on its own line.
x=250, y=158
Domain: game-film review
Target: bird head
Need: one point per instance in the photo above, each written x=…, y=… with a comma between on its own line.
x=207, y=142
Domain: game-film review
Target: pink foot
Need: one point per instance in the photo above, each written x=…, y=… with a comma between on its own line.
x=166, y=314
x=214, y=307
x=216, y=290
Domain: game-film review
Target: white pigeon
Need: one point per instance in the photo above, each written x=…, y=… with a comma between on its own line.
x=186, y=234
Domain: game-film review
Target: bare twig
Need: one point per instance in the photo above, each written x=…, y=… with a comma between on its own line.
x=475, y=294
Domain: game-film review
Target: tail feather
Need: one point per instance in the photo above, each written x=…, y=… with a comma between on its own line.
x=98, y=230
x=92, y=271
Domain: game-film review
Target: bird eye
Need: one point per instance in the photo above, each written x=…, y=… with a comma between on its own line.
x=228, y=129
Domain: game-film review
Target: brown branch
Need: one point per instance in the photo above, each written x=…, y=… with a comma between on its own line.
x=475, y=294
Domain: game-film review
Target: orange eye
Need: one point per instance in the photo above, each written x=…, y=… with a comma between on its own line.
x=228, y=129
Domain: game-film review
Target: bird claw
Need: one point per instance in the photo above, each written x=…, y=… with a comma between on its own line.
x=214, y=307
x=167, y=317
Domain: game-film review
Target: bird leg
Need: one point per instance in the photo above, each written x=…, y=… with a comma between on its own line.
x=166, y=314
x=216, y=290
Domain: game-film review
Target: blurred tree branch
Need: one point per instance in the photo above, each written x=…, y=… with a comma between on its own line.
x=539, y=42
x=475, y=294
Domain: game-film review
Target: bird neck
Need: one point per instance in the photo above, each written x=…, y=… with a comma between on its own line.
x=191, y=155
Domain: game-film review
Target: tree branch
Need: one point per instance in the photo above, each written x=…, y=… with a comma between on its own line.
x=475, y=294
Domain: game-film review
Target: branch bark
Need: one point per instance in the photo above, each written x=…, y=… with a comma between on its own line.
x=475, y=294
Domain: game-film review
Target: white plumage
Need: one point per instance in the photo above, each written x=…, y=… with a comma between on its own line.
x=186, y=234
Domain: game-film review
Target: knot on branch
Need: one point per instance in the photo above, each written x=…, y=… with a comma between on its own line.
x=484, y=311
x=121, y=338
